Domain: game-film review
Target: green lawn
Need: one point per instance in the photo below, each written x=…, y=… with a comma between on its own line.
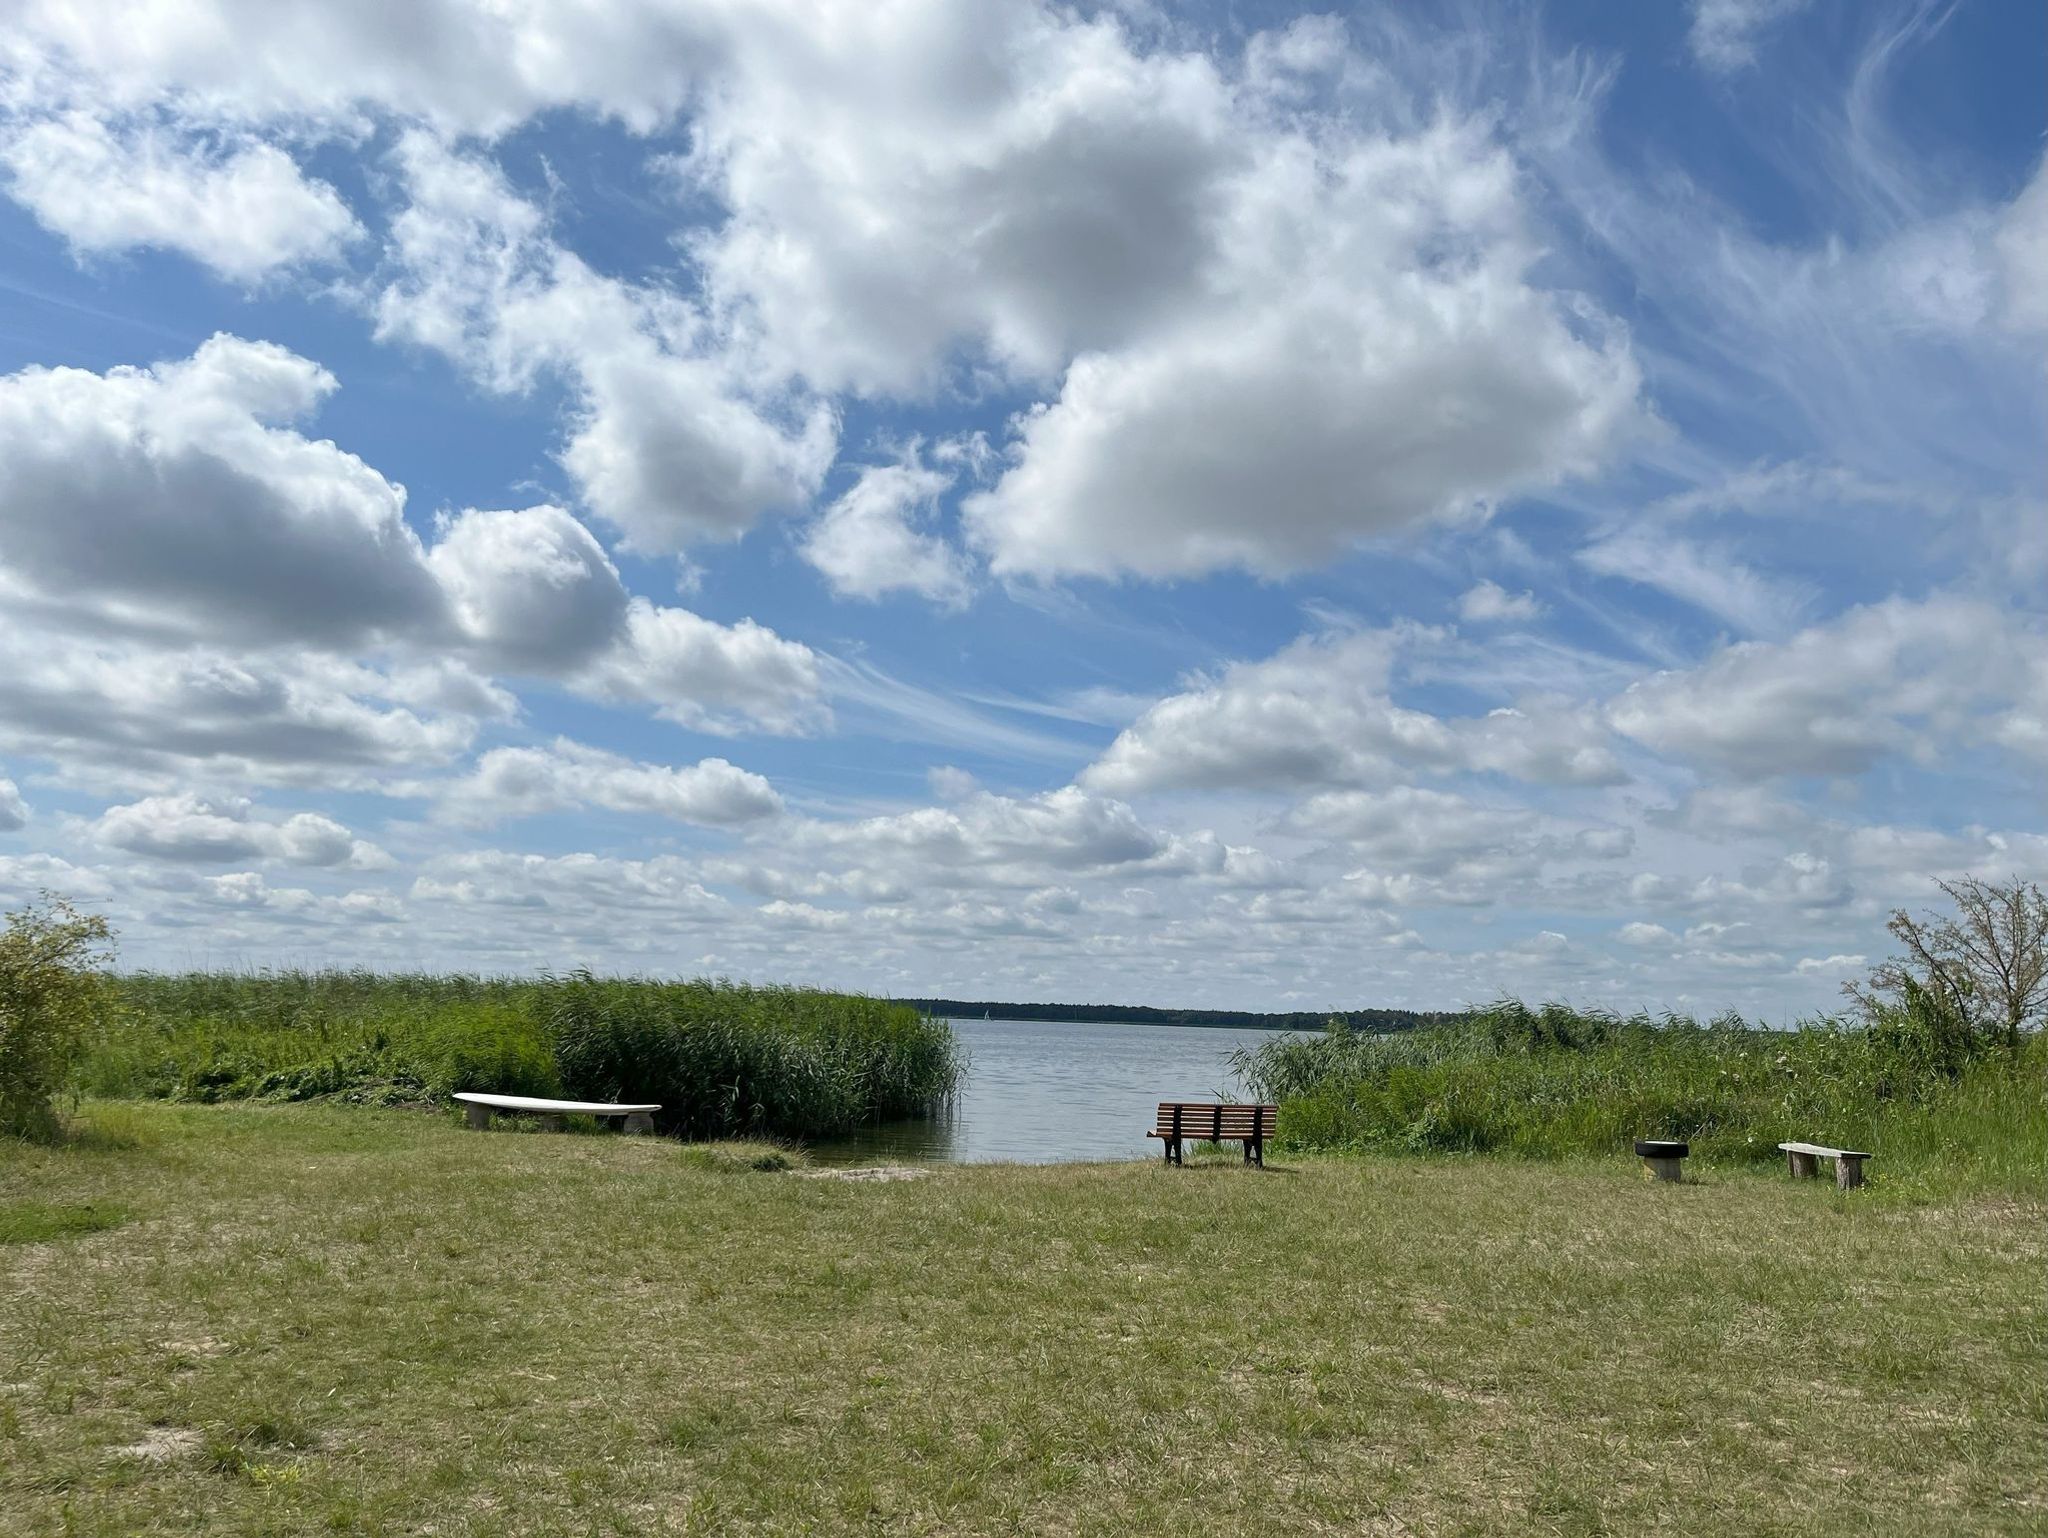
x=315, y=1319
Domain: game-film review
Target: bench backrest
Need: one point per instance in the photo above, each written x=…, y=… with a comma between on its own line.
x=1207, y=1119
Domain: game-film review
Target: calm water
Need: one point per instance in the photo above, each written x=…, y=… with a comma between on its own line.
x=1039, y=1091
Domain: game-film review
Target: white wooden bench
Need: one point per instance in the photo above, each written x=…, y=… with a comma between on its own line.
x=638, y=1118
x=1804, y=1161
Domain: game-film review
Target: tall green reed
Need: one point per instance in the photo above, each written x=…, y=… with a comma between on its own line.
x=1552, y=1081
x=722, y=1058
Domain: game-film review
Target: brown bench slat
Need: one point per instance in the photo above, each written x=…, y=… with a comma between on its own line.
x=1198, y=1134
x=1206, y=1110
x=1207, y=1106
x=1202, y=1118
x=1210, y=1134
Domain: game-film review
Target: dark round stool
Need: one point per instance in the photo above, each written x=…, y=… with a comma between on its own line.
x=1660, y=1156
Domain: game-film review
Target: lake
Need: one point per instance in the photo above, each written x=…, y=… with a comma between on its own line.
x=1042, y=1091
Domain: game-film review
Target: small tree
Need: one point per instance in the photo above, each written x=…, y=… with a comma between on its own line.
x=51, y=989
x=1986, y=965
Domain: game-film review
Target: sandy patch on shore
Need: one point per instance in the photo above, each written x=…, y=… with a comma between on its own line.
x=868, y=1172
x=160, y=1444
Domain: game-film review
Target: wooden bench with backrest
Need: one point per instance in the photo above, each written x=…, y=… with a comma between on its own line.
x=1803, y=1160
x=636, y=1118
x=1205, y=1121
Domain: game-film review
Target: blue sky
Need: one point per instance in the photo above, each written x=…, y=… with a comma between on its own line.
x=1239, y=506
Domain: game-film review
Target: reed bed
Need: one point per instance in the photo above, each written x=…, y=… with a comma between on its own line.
x=1553, y=1081
x=723, y=1059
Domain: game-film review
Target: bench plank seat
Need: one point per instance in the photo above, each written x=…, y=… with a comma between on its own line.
x=637, y=1118
x=1208, y=1121
x=1803, y=1159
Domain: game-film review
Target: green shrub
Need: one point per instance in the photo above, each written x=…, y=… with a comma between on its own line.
x=51, y=995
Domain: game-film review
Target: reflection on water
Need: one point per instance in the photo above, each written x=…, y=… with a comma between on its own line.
x=1040, y=1091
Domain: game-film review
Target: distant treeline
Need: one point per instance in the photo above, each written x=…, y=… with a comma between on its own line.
x=1369, y=1020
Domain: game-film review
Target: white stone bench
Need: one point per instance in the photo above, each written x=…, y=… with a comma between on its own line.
x=638, y=1118
x=1803, y=1159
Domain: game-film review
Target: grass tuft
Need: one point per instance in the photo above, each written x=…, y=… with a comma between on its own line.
x=237, y=1446
x=731, y=1158
x=110, y=1127
x=31, y=1222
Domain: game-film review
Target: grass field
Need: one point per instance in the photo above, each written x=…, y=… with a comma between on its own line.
x=314, y=1318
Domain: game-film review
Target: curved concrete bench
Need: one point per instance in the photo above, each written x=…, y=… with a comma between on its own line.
x=638, y=1118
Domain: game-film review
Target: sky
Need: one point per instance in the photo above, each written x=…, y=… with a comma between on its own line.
x=1233, y=506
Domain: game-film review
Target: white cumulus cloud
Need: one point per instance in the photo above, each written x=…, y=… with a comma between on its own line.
x=1896, y=677
x=868, y=542
x=668, y=442
x=1320, y=712
x=523, y=782
x=244, y=210
x=1488, y=603
x=226, y=830
x=13, y=809
x=1275, y=421
x=168, y=514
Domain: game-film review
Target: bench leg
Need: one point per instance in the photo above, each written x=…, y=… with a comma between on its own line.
x=1663, y=1169
x=639, y=1122
x=1804, y=1166
x=551, y=1124
x=478, y=1116
x=1848, y=1174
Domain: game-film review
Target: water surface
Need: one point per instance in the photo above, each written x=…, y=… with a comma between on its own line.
x=1041, y=1091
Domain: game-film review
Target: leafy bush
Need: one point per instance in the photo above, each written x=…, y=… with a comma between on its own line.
x=1982, y=969
x=51, y=995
